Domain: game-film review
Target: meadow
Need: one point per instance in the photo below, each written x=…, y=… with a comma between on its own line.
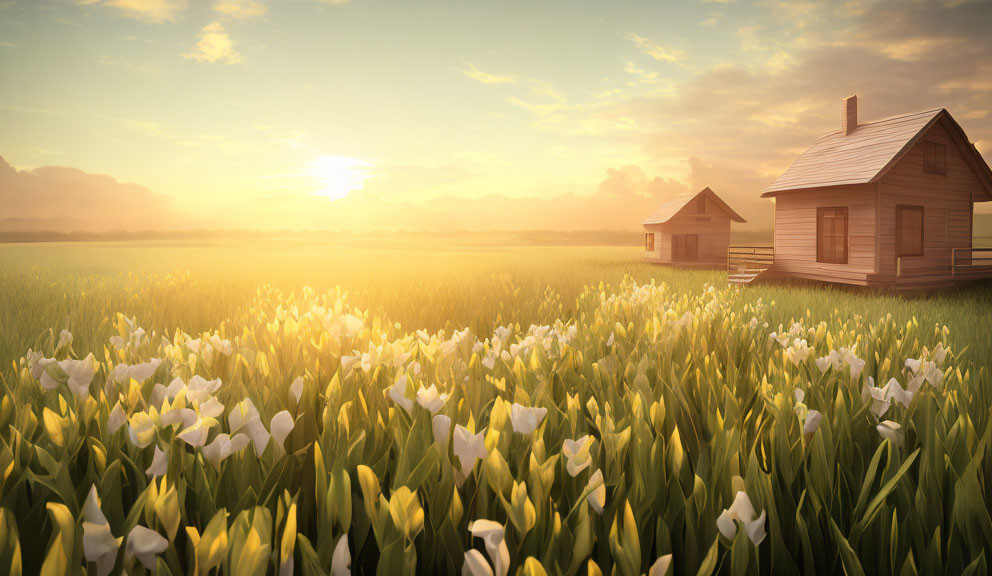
x=288, y=406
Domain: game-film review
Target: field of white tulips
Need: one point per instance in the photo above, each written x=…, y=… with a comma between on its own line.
x=577, y=413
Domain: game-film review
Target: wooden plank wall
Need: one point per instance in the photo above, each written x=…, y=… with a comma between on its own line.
x=947, y=207
x=713, y=229
x=795, y=233
x=655, y=229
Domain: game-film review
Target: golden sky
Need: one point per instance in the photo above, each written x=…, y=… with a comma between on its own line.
x=368, y=114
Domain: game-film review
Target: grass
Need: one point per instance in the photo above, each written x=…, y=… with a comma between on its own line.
x=195, y=286
x=323, y=442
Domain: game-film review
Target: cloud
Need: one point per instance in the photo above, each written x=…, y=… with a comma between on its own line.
x=640, y=73
x=334, y=2
x=486, y=78
x=656, y=51
x=240, y=9
x=7, y=44
x=70, y=200
x=154, y=11
x=740, y=123
x=215, y=45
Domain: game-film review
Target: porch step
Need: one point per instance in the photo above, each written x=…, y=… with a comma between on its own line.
x=744, y=277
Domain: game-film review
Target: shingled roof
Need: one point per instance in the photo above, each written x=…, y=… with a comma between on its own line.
x=867, y=152
x=673, y=205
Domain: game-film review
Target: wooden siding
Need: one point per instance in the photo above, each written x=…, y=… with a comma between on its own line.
x=947, y=207
x=712, y=228
x=795, y=233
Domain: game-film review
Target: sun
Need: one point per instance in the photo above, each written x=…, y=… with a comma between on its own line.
x=340, y=175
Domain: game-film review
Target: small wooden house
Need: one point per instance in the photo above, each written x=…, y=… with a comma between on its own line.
x=690, y=230
x=886, y=203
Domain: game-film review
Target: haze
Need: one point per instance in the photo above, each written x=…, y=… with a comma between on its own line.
x=373, y=115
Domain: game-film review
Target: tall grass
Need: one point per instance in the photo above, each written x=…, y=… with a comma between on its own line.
x=256, y=426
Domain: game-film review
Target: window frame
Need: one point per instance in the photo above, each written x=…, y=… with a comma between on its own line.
x=934, y=158
x=821, y=215
x=901, y=209
x=701, y=204
x=649, y=241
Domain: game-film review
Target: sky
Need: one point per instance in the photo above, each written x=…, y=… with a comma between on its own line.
x=377, y=115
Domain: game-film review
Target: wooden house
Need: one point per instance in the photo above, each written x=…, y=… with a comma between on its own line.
x=690, y=230
x=887, y=203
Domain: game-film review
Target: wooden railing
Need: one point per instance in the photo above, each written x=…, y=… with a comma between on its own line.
x=971, y=262
x=750, y=257
x=966, y=263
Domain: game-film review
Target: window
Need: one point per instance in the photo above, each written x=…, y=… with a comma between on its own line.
x=934, y=158
x=649, y=242
x=831, y=235
x=701, y=205
x=685, y=247
x=909, y=230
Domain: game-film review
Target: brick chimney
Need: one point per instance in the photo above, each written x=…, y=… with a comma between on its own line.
x=849, y=114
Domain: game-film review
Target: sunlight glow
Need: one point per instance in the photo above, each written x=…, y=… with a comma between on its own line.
x=340, y=175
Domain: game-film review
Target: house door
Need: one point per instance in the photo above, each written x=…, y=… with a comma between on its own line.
x=685, y=247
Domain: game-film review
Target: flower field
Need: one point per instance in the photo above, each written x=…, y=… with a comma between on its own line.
x=525, y=422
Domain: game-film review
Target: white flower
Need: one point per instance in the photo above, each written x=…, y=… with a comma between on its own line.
x=196, y=435
x=160, y=464
x=116, y=419
x=80, y=373
x=136, y=372
x=65, y=338
x=259, y=435
x=609, y=342
x=799, y=352
x=493, y=535
x=475, y=564
x=398, y=394
x=200, y=389
x=489, y=361
x=280, y=426
x=348, y=362
x=893, y=391
x=742, y=511
x=782, y=339
x=922, y=370
x=99, y=544
x=430, y=399
x=597, y=498
x=341, y=558
x=212, y=408
x=812, y=423
x=890, y=430
x=661, y=566
x=242, y=413
x=441, y=427
x=145, y=544
x=161, y=393
x=799, y=394
x=296, y=389
x=880, y=402
x=223, y=446
x=939, y=354
x=468, y=448
x=526, y=419
x=220, y=345
x=577, y=454
x=36, y=363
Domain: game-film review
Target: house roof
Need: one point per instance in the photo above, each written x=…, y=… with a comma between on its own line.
x=869, y=151
x=673, y=205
